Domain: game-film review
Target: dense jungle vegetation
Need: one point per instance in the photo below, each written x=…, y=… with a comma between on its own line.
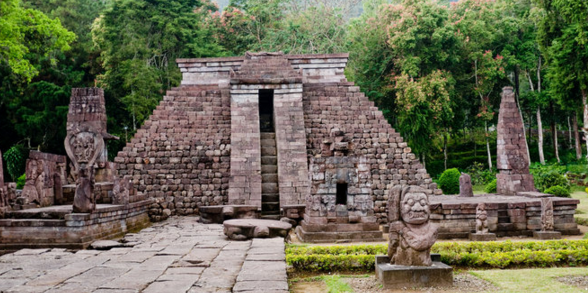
x=435, y=68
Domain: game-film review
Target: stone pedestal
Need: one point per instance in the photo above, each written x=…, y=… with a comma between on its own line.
x=547, y=235
x=219, y=214
x=482, y=237
x=243, y=229
x=397, y=277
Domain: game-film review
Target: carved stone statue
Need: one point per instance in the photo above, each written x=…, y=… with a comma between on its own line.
x=84, y=146
x=120, y=191
x=465, y=185
x=546, y=214
x=481, y=219
x=411, y=234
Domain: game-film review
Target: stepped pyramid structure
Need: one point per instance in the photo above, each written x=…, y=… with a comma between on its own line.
x=270, y=130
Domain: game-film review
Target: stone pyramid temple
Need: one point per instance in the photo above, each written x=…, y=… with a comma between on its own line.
x=269, y=130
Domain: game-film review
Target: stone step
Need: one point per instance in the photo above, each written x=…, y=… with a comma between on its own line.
x=268, y=142
x=269, y=178
x=270, y=215
x=269, y=188
x=269, y=160
x=269, y=169
x=269, y=151
x=268, y=135
x=270, y=197
x=270, y=206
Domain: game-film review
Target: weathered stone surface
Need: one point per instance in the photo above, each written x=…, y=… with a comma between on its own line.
x=547, y=221
x=546, y=235
x=242, y=229
x=482, y=237
x=411, y=235
x=105, y=244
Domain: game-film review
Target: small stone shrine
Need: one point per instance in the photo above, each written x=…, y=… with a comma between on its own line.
x=512, y=157
x=71, y=209
x=547, y=222
x=482, y=233
x=411, y=236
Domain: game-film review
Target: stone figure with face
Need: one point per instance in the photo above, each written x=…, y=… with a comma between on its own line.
x=411, y=235
x=83, y=147
x=547, y=214
x=481, y=219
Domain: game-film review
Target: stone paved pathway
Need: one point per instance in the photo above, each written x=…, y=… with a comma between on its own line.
x=179, y=255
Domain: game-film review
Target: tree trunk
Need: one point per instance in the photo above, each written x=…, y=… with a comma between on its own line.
x=524, y=133
x=576, y=136
x=585, y=128
x=540, y=136
x=488, y=146
x=569, y=133
x=445, y=150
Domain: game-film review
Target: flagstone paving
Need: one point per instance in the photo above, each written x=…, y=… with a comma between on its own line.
x=178, y=255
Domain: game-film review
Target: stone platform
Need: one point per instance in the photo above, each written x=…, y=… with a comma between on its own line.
x=242, y=229
x=178, y=255
x=507, y=215
x=220, y=213
x=57, y=226
x=546, y=235
x=398, y=277
x=337, y=233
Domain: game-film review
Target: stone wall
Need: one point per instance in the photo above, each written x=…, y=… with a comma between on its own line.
x=181, y=155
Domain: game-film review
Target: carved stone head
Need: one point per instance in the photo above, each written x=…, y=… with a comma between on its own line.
x=414, y=206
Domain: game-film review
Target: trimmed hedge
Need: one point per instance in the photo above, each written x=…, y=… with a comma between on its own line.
x=461, y=254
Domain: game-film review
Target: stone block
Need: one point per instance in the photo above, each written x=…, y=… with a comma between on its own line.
x=399, y=277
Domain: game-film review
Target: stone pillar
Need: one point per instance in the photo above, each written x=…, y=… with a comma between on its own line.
x=291, y=145
x=245, y=180
x=512, y=157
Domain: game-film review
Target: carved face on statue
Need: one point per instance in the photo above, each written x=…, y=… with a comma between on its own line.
x=83, y=146
x=415, y=208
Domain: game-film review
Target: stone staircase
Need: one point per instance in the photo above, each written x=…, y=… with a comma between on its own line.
x=270, y=198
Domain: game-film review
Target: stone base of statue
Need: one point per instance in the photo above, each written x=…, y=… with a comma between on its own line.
x=482, y=237
x=546, y=235
x=398, y=277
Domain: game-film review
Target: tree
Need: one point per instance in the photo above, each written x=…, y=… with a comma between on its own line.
x=139, y=42
x=28, y=33
x=563, y=36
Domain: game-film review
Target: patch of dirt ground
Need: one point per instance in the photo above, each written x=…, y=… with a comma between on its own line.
x=462, y=282
x=580, y=282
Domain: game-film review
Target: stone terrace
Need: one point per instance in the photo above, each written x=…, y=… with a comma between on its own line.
x=179, y=255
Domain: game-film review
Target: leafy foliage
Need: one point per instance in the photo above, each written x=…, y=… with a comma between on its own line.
x=20, y=181
x=139, y=42
x=27, y=34
x=15, y=158
x=548, y=176
x=558, y=191
x=490, y=187
x=480, y=174
x=449, y=181
x=504, y=254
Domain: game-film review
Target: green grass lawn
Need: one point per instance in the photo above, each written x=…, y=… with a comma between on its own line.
x=582, y=211
x=531, y=280
x=478, y=189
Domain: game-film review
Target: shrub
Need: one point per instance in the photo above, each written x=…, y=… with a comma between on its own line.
x=548, y=176
x=15, y=158
x=502, y=254
x=20, y=181
x=490, y=187
x=480, y=174
x=558, y=191
x=449, y=181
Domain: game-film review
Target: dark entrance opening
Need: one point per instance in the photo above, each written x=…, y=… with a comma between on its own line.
x=266, y=110
x=341, y=193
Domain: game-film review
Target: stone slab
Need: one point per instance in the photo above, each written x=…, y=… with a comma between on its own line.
x=241, y=229
x=482, y=237
x=547, y=235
